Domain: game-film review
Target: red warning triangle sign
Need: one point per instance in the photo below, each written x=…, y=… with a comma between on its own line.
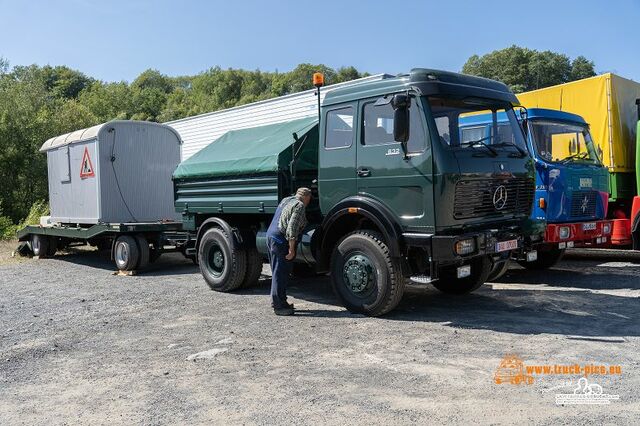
x=86, y=168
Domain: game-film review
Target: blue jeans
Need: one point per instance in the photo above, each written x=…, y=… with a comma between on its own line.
x=280, y=270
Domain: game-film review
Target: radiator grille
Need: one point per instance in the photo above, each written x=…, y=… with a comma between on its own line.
x=583, y=203
x=475, y=198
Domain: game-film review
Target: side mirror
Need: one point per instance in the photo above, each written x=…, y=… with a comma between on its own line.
x=401, y=104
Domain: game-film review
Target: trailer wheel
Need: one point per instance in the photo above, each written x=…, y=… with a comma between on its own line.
x=143, y=246
x=449, y=283
x=126, y=253
x=52, y=246
x=40, y=245
x=254, y=268
x=499, y=269
x=222, y=265
x=546, y=259
x=364, y=276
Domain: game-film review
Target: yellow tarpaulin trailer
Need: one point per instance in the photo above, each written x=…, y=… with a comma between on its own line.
x=608, y=103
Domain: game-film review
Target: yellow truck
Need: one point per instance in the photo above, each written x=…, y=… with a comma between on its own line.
x=610, y=104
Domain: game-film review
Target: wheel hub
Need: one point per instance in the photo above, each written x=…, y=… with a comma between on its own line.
x=122, y=254
x=216, y=261
x=358, y=273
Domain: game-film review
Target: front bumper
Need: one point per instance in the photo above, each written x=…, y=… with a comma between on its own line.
x=442, y=248
x=582, y=233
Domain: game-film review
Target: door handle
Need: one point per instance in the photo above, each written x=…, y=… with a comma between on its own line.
x=364, y=172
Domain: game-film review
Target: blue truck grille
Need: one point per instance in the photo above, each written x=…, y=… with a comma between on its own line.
x=475, y=198
x=583, y=203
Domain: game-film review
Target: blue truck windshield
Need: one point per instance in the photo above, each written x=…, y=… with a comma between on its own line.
x=469, y=124
x=563, y=142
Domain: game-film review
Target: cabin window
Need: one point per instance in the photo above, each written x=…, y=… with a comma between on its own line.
x=64, y=163
x=377, y=127
x=339, y=130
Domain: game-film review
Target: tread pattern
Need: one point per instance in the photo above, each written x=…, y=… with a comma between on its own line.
x=254, y=268
x=143, y=247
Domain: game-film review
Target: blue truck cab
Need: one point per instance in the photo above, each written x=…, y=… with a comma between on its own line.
x=572, y=189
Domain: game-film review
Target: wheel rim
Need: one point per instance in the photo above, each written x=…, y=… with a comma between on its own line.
x=216, y=260
x=359, y=274
x=122, y=254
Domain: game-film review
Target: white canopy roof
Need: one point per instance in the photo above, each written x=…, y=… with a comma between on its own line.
x=73, y=137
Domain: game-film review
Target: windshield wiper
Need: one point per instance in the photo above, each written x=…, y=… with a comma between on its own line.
x=522, y=152
x=578, y=156
x=480, y=142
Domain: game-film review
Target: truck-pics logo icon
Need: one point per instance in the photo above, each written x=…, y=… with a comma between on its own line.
x=511, y=370
x=500, y=197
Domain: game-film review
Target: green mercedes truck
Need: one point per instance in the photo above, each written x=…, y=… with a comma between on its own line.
x=397, y=195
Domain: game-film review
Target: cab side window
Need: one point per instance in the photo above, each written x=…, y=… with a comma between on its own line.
x=339, y=128
x=377, y=128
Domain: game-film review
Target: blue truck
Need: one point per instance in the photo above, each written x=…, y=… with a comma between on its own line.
x=572, y=189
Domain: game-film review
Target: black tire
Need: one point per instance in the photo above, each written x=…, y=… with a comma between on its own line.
x=449, y=283
x=143, y=246
x=546, y=259
x=126, y=253
x=499, y=269
x=53, y=246
x=377, y=283
x=40, y=245
x=222, y=265
x=254, y=268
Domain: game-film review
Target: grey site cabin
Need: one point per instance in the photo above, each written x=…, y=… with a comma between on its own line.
x=114, y=172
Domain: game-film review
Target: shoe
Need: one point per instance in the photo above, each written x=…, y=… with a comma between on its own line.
x=283, y=312
x=288, y=305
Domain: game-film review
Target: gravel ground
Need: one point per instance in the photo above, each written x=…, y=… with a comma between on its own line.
x=81, y=346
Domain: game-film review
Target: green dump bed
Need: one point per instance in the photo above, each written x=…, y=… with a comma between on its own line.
x=248, y=170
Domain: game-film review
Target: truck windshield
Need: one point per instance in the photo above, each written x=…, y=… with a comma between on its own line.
x=563, y=142
x=477, y=124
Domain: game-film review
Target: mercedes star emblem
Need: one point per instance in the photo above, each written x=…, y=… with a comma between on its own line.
x=585, y=204
x=500, y=197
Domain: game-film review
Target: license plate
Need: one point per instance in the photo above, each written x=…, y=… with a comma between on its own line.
x=506, y=245
x=589, y=226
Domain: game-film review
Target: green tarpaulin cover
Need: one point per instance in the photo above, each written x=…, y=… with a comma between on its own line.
x=252, y=151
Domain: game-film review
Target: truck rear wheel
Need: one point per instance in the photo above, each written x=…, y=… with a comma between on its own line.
x=546, y=259
x=222, y=265
x=126, y=253
x=449, y=283
x=254, y=268
x=364, y=276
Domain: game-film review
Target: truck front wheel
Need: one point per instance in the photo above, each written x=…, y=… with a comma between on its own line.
x=364, y=276
x=546, y=259
x=449, y=283
x=222, y=264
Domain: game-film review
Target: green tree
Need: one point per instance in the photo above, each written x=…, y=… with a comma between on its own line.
x=525, y=69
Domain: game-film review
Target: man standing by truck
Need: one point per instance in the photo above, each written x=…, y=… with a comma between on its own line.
x=282, y=237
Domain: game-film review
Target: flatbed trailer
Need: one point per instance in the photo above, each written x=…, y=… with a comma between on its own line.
x=132, y=245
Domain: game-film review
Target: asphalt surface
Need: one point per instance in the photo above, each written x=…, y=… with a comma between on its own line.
x=81, y=346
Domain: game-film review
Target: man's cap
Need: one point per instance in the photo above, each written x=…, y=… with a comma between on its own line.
x=303, y=192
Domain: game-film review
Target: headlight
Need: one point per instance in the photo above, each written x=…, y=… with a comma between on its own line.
x=467, y=246
x=606, y=228
x=564, y=232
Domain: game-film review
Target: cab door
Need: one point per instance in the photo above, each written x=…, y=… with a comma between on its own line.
x=337, y=155
x=404, y=183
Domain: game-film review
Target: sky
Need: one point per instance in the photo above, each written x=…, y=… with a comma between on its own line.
x=117, y=40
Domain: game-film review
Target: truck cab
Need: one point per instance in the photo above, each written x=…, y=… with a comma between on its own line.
x=398, y=195
x=571, y=182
